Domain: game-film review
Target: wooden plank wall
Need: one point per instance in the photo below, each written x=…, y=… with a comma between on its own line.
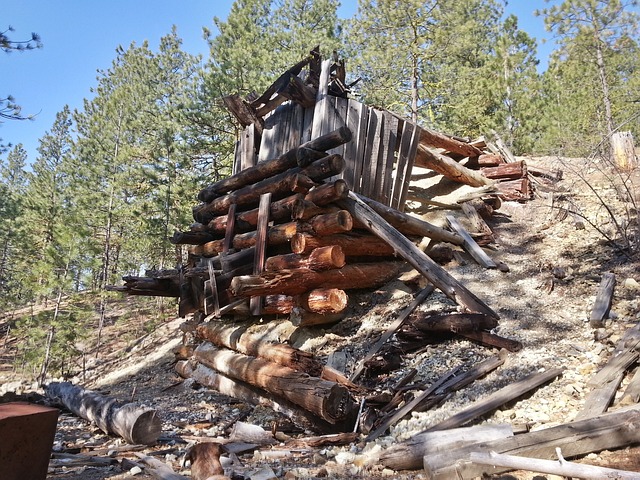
x=378, y=159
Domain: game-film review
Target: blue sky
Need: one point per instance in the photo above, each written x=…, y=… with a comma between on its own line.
x=80, y=37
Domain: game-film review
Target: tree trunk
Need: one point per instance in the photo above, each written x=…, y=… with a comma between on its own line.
x=328, y=400
x=135, y=424
x=438, y=140
x=296, y=282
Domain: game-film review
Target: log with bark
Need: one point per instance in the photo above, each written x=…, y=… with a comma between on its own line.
x=237, y=338
x=253, y=395
x=353, y=244
x=298, y=281
x=137, y=425
x=448, y=167
x=328, y=400
x=321, y=258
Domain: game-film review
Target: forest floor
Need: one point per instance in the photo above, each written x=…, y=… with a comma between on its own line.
x=544, y=301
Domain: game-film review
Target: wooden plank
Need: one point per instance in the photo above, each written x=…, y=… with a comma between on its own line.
x=295, y=133
x=230, y=231
x=401, y=165
x=470, y=244
x=211, y=300
x=237, y=157
x=249, y=157
x=307, y=124
x=598, y=400
x=321, y=109
x=393, y=328
x=413, y=148
x=255, y=304
x=496, y=399
x=602, y=304
x=387, y=159
x=632, y=393
x=341, y=108
x=371, y=153
x=357, y=120
x=414, y=256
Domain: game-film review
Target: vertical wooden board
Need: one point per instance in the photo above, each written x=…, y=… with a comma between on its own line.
x=255, y=304
x=372, y=152
x=321, y=108
x=357, y=119
x=413, y=148
x=237, y=156
x=307, y=125
x=401, y=167
x=248, y=141
x=295, y=133
x=284, y=129
x=339, y=121
x=390, y=139
x=268, y=136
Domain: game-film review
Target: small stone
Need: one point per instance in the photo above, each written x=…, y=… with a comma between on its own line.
x=135, y=470
x=631, y=284
x=387, y=472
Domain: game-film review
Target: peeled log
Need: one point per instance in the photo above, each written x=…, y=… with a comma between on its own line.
x=328, y=400
x=449, y=168
x=352, y=244
x=296, y=282
x=237, y=338
x=325, y=300
x=135, y=424
x=321, y=258
x=332, y=223
x=270, y=168
x=439, y=140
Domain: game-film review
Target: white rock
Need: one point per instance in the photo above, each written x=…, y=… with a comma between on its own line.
x=135, y=470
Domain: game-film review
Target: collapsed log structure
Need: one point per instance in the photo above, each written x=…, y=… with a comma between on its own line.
x=314, y=208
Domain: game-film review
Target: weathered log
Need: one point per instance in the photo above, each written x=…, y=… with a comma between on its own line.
x=328, y=400
x=410, y=225
x=514, y=190
x=352, y=244
x=158, y=287
x=470, y=245
x=237, y=338
x=247, y=393
x=279, y=185
x=135, y=424
x=408, y=455
x=298, y=281
x=439, y=140
x=489, y=160
x=191, y=238
x=623, y=151
x=328, y=193
x=560, y=467
x=324, y=300
x=505, y=171
x=264, y=170
x=302, y=318
x=244, y=113
x=492, y=340
x=414, y=256
x=247, y=220
x=321, y=258
x=278, y=304
x=448, y=167
x=452, y=322
x=606, y=432
x=331, y=223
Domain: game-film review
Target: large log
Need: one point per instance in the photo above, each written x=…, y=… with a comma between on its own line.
x=237, y=338
x=320, y=300
x=278, y=165
x=278, y=185
x=247, y=393
x=157, y=287
x=449, y=168
x=414, y=256
x=321, y=258
x=137, y=425
x=506, y=170
x=296, y=282
x=352, y=244
x=328, y=400
x=439, y=140
x=451, y=322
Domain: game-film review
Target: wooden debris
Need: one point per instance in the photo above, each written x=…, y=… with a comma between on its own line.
x=137, y=425
x=607, y=431
x=470, y=244
x=602, y=304
x=158, y=469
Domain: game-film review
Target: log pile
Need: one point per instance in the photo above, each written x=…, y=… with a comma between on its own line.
x=290, y=236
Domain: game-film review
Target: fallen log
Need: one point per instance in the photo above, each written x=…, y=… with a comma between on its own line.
x=328, y=400
x=195, y=237
x=439, y=140
x=506, y=171
x=135, y=424
x=606, y=432
x=250, y=394
x=264, y=170
x=298, y=281
x=237, y=338
x=449, y=168
x=302, y=318
x=451, y=322
x=321, y=258
x=408, y=455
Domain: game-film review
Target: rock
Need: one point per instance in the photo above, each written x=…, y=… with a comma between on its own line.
x=135, y=470
x=631, y=284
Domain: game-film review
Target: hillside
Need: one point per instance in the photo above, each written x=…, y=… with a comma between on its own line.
x=555, y=264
